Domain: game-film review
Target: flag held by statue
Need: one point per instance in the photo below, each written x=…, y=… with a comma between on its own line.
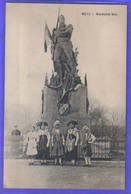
x=48, y=37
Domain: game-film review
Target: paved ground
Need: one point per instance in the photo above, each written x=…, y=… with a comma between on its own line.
x=102, y=175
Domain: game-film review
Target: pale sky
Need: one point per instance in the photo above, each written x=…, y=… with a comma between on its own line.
x=101, y=42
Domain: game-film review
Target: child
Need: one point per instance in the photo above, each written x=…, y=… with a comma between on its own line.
x=72, y=142
x=31, y=140
x=43, y=144
x=88, y=139
x=57, y=143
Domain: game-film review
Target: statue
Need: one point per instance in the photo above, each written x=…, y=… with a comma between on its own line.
x=62, y=52
x=64, y=59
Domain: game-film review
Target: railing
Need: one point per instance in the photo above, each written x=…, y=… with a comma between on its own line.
x=106, y=148
x=102, y=148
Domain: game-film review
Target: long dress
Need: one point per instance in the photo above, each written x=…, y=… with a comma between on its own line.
x=86, y=144
x=71, y=144
x=44, y=140
x=31, y=139
x=57, y=143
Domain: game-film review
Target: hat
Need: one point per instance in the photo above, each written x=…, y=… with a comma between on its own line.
x=85, y=129
x=39, y=123
x=57, y=122
x=72, y=122
x=45, y=123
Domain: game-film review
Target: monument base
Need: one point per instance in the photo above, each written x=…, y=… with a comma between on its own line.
x=78, y=103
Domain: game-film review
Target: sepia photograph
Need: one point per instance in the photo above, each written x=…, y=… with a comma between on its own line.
x=65, y=96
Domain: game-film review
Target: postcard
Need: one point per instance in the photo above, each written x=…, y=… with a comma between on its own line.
x=65, y=96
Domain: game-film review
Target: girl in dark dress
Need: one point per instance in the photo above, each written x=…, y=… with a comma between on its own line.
x=87, y=140
x=72, y=142
x=43, y=144
x=57, y=143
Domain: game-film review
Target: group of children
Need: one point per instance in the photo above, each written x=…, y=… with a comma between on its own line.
x=54, y=144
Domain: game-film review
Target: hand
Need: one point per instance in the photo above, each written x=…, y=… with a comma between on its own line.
x=56, y=33
x=75, y=143
x=69, y=28
x=47, y=145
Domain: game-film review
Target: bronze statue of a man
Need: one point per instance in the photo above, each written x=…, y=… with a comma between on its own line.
x=62, y=49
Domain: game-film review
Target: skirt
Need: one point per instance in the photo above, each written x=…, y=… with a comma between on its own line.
x=57, y=150
x=31, y=148
x=43, y=151
x=87, y=151
x=72, y=155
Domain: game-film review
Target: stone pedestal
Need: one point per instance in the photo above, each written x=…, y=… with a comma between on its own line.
x=77, y=100
x=78, y=107
x=50, y=102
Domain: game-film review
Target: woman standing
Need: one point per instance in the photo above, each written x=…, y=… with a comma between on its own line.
x=44, y=141
x=31, y=140
x=88, y=139
x=72, y=142
x=57, y=143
